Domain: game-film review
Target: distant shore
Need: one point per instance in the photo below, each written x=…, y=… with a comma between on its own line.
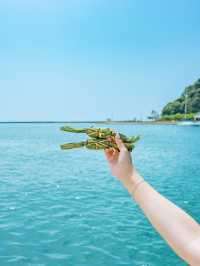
x=94, y=122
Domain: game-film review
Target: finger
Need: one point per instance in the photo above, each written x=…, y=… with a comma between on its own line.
x=109, y=155
x=113, y=157
x=106, y=151
x=111, y=151
x=120, y=143
x=109, y=138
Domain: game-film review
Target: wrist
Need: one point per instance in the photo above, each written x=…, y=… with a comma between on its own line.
x=131, y=182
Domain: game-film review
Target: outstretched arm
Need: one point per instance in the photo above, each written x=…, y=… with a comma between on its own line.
x=179, y=229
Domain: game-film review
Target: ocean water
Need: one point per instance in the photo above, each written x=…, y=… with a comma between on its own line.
x=63, y=208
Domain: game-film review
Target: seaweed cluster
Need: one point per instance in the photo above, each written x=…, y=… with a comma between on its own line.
x=99, y=138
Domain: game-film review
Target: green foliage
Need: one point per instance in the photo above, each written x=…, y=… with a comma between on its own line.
x=177, y=117
x=193, y=101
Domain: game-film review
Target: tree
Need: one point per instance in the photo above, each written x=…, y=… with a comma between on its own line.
x=193, y=101
x=154, y=115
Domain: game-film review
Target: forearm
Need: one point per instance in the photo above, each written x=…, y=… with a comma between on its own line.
x=174, y=225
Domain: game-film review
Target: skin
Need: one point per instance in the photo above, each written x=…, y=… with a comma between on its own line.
x=180, y=230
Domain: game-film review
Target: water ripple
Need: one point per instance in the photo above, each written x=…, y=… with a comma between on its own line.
x=64, y=208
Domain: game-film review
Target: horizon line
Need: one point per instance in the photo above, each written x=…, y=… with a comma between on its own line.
x=73, y=121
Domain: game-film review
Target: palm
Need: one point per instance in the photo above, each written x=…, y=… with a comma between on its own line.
x=119, y=162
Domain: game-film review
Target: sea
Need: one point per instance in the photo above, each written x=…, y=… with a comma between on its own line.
x=64, y=208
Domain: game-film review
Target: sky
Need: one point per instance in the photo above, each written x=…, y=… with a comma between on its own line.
x=95, y=59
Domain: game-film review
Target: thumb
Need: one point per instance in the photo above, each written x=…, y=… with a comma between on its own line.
x=119, y=143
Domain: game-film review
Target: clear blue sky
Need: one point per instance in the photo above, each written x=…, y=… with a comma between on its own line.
x=94, y=59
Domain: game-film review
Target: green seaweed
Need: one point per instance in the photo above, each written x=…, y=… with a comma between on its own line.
x=100, y=139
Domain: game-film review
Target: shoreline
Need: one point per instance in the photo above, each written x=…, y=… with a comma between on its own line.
x=95, y=122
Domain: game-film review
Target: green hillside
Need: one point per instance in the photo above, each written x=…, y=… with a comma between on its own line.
x=193, y=101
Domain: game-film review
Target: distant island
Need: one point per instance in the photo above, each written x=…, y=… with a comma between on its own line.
x=186, y=106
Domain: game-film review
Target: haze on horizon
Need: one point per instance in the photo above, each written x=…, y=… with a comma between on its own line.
x=93, y=60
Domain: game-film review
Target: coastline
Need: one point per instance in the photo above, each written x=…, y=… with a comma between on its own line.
x=95, y=122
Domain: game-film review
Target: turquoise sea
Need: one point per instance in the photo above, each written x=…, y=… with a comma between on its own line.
x=63, y=208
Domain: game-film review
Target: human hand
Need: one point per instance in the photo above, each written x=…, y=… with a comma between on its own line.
x=121, y=165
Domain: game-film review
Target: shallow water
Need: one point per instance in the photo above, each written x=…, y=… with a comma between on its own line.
x=64, y=207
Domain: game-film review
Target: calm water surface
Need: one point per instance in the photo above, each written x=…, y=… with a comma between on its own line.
x=65, y=209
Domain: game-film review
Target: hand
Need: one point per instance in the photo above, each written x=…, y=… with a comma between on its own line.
x=121, y=164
